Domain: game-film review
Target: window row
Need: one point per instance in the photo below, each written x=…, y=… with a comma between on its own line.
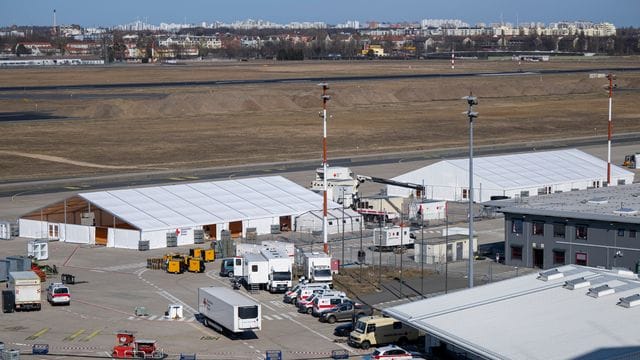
x=559, y=230
x=559, y=257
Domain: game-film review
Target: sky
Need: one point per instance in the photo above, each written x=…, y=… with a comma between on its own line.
x=113, y=12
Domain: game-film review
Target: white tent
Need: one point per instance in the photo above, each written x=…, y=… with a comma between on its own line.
x=526, y=174
x=123, y=218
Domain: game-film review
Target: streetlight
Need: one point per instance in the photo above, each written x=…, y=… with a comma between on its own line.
x=471, y=100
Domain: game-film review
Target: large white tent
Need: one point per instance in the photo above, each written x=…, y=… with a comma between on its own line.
x=526, y=174
x=123, y=218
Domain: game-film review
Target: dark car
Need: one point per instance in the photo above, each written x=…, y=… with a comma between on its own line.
x=343, y=330
x=346, y=312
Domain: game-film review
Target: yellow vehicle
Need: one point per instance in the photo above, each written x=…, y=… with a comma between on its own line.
x=194, y=264
x=196, y=253
x=630, y=161
x=378, y=330
x=175, y=265
x=209, y=255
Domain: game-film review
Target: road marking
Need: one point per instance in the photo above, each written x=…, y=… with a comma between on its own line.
x=191, y=319
x=74, y=335
x=276, y=317
x=176, y=179
x=131, y=318
x=92, y=335
x=152, y=317
x=38, y=334
x=192, y=177
x=72, y=187
x=267, y=317
x=294, y=314
x=278, y=304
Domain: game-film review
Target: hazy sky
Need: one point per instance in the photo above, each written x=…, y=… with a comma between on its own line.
x=113, y=12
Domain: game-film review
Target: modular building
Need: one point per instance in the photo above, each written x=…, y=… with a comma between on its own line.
x=443, y=249
x=172, y=215
x=597, y=227
x=337, y=221
x=516, y=175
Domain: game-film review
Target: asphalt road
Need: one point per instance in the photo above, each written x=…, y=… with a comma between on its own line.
x=153, y=178
x=147, y=85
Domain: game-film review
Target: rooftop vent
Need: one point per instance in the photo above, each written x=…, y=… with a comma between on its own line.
x=626, y=273
x=550, y=275
x=630, y=301
x=625, y=211
x=601, y=291
x=576, y=284
x=598, y=201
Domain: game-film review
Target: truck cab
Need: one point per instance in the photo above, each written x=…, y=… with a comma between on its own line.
x=322, y=274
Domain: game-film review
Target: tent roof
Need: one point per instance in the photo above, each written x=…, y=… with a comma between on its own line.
x=532, y=312
x=203, y=203
x=533, y=169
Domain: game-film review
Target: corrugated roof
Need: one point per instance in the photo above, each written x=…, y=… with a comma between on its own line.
x=533, y=312
x=533, y=169
x=203, y=203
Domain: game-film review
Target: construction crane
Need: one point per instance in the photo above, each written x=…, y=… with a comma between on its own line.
x=420, y=192
x=420, y=189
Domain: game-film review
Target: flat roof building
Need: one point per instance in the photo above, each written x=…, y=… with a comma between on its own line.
x=515, y=175
x=571, y=312
x=595, y=227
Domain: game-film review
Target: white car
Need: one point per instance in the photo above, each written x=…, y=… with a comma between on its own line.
x=58, y=294
x=391, y=352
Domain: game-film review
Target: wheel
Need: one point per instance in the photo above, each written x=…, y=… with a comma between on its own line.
x=331, y=319
x=205, y=321
x=309, y=310
x=295, y=301
x=402, y=341
x=365, y=345
x=230, y=274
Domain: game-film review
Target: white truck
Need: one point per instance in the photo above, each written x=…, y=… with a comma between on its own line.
x=391, y=238
x=225, y=309
x=27, y=290
x=255, y=271
x=317, y=267
x=279, y=266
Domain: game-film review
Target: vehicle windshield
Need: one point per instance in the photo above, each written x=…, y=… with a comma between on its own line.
x=282, y=276
x=322, y=273
x=360, y=327
x=377, y=352
x=61, y=290
x=312, y=297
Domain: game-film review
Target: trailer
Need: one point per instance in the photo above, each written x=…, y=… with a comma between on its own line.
x=255, y=272
x=317, y=267
x=279, y=266
x=224, y=309
x=392, y=238
x=27, y=290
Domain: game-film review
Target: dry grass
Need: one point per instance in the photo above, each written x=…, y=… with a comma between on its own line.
x=185, y=128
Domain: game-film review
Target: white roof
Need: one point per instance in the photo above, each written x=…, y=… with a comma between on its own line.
x=203, y=203
x=528, y=318
x=528, y=170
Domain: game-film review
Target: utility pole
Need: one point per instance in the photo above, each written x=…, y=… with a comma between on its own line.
x=610, y=77
x=342, y=261
x=423, y=250
x=446, y=246
x=471, y=100
x=325, y=99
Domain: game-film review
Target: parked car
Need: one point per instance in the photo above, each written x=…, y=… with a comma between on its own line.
x=392, y=352
x=343, y=330
x=58, y=294
x=347, y=311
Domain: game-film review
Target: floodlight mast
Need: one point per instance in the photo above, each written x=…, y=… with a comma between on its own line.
x=325, y=99
x=471, y=101
x=610, y=77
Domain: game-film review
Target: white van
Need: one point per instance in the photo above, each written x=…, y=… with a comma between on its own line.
x=328, y=302
x=307, y=290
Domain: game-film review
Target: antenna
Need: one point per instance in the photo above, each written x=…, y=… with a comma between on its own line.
x=55, y=31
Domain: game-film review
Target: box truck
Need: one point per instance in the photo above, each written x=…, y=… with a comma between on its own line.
x=279, y=267
x=225, y=309
x=255, y=272
x=317, y=267
x=27, y=290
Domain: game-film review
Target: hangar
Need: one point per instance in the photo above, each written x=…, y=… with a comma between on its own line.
x=516, y=175
x=173, y=214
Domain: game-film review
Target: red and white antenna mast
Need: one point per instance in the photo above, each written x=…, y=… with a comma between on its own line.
x=610, y=77
x=453, y=58
x=325, y=99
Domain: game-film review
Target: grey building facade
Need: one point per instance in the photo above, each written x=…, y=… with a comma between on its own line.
x=596, y=227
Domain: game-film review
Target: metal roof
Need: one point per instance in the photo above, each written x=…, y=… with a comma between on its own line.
x=602, y=204
x=203, y=203
x=529, y=318
x=533, y=169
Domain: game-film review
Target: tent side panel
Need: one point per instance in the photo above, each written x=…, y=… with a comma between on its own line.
x=157, y=239
x=33, y=229
x=123, y=238
x=79, y=234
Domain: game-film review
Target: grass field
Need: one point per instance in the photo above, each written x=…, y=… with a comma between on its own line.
x=115, y=131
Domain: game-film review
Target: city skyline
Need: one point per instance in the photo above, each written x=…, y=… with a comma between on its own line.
x=40, y=12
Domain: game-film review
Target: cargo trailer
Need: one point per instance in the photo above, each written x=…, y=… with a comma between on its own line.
x=226, y=309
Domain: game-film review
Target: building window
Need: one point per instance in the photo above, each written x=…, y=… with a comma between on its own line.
x=621, y=182
x=632, y=234
x=330, y=222
x=581, y=232
x=516, y=226
x=524, y=193
x=254, y=268
x=581, y=259
x=537, y=228
x=465, y=193
x=559, y=230
x=558, y=257
x=620, y=232
x=516, y=252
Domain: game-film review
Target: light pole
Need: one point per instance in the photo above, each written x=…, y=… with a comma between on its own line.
x=471, y=100
x=423, y=251
x=325, y=99
x=342, y=261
